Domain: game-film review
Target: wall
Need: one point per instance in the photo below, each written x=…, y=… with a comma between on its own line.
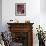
x=0, y=15
x=33, y=13
x=43, y=14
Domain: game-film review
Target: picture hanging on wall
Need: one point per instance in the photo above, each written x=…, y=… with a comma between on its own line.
x=20, y=9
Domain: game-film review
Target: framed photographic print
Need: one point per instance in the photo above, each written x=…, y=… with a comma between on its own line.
x=20, y=9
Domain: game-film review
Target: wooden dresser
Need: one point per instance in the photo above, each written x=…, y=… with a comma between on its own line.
x=22, y=33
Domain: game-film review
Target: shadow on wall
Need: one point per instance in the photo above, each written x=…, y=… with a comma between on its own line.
x=43, y=6
x=0, y=15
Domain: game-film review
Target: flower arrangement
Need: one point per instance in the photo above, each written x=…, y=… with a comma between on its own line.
x=40, y=34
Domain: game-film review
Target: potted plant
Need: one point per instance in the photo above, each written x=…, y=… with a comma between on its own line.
x=41, y=36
